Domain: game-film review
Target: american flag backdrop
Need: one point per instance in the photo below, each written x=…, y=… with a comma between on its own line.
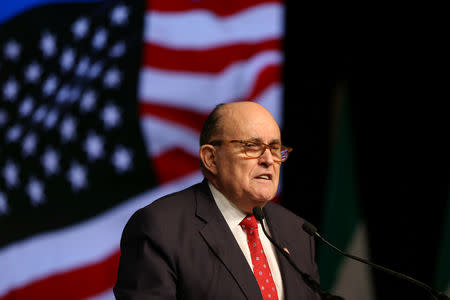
x=101, y=105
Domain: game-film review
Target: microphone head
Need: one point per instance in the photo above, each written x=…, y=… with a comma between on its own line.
x=258, y=213
x=309, y=228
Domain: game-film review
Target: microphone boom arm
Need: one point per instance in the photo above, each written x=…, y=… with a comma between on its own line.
x=309, y=228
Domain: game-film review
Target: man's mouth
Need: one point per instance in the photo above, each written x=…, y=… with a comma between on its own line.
x=265, y=177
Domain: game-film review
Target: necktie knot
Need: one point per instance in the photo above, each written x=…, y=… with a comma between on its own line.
x=249, y=222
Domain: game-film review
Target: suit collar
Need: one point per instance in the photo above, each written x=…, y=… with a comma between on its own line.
x=220, y=239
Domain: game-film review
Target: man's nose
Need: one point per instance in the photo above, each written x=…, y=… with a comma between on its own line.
x=266, y=157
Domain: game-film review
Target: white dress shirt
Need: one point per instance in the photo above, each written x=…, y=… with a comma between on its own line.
x=233, y=215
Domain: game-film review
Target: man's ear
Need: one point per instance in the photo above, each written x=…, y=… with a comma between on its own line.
x=208, y=157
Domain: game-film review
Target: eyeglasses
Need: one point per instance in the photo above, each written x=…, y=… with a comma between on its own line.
x=255, y=149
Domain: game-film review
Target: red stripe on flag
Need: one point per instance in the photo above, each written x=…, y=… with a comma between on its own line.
x=206, y=61
x=269, y=75
x=76, y=284
x=220, y=8
x=174, y=164
x=185, y=117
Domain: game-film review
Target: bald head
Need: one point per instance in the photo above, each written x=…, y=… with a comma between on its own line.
x=237, y=115
x=229, y=115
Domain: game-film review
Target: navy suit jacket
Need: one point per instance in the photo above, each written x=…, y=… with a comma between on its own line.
x=180, y=247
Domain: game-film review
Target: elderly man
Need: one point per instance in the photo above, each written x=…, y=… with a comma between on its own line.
x=203, y=242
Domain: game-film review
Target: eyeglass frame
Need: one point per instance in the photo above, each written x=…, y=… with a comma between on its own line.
x=264, y=145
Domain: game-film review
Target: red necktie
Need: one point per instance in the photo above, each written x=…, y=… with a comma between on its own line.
x=261, y=268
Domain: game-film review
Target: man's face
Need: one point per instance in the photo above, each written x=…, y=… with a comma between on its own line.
x=245, y=181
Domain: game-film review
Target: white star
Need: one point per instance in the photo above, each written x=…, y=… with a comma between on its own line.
x=77, y=176
x=11, y=174
x=63, y=94
x=83, y=66
x=40, y=114
x=118, y=50
x=88, y=101
x=35, y=190
x=14, y=133
x=110, y=116
x=50, y=85
x=119, y=15
x=100, y=38
x=26, y=107
x=112, y=78
x=10, y=90
x=12, y=50
x=80, y=28
x=67, y=59
x=95, y=70
x=29, y=144
x=50, y=161
x=67, y=129
x=48, y=44
x=4, y=208
x=94, y=146
x=51, y=119
x=121, y=159
x=3, y=117
x=33, y=72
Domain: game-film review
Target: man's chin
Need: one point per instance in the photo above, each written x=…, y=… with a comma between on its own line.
x=264, y=198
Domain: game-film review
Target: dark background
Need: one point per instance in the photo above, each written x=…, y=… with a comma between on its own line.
x=394, y=78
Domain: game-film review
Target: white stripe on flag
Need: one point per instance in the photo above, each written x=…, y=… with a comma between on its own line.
x=40, y=255
x=162, y=135
x=175, y=30
x=201, y=92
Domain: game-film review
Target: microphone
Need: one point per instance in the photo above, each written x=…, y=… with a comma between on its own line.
x=312, y=230
x=313, y=284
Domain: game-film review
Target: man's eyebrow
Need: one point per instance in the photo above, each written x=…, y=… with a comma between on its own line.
x=275, y=141
x=255, y=139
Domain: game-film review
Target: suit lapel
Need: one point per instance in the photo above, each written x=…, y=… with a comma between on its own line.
x=220, y=239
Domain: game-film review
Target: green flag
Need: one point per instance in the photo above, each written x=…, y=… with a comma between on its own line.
x=343, y=223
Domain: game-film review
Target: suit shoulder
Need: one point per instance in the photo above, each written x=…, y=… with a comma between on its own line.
x=170, y=206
